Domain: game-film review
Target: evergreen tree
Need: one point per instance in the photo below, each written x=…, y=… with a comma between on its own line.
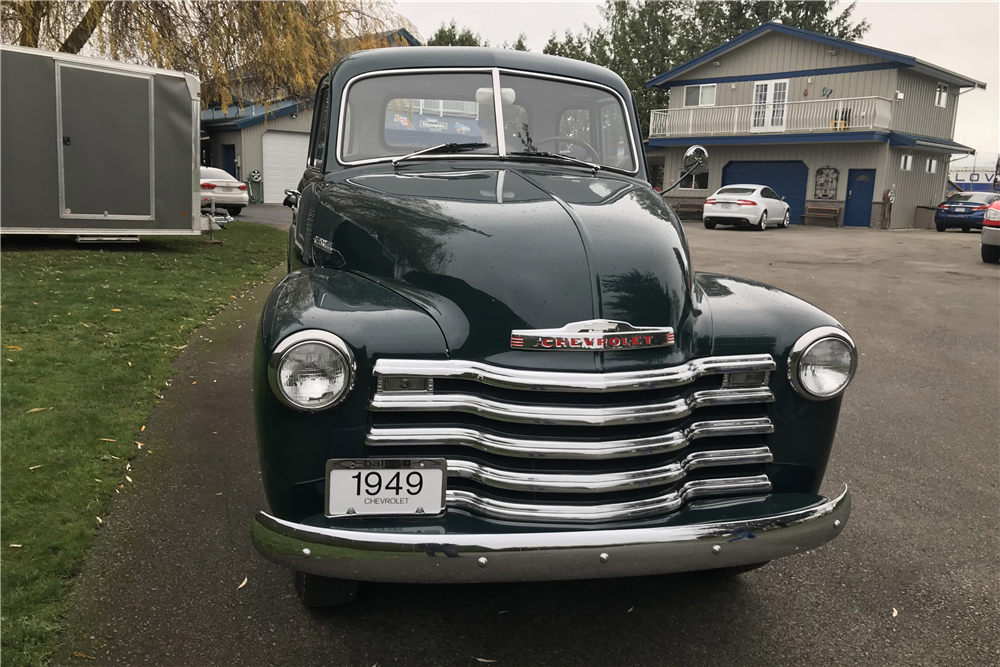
x=450, y=35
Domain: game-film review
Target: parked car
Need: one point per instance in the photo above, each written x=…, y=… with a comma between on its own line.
x=745, y=205
x=491, y=361
x=228, y=192
x=964, y=210
x=990, y=240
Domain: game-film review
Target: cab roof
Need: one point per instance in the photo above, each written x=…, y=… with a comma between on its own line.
x=373, y=60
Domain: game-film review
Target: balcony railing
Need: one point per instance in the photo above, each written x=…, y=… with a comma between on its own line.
x=839, y=115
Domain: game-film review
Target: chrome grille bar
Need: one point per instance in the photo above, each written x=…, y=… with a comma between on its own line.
x=669, y=502
x=604, y=482
x=567, y=415
x=496, y=443
x=516, y=378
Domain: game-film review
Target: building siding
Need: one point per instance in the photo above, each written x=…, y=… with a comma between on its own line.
x=914, y=188
x=916, y=112
x=249, y=141
x=777, y=52
x=842, y=156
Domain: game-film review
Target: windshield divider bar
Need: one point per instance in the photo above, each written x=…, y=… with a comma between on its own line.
x=498, y=112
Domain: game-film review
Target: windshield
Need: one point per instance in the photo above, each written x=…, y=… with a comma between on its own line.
x=393, y=115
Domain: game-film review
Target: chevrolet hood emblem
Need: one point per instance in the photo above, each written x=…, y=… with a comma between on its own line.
x=592, y=335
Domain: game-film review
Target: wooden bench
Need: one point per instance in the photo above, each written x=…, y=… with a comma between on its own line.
x=825, y=213
x=693, y=210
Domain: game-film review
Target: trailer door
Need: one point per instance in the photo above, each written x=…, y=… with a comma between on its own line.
x=105, y=140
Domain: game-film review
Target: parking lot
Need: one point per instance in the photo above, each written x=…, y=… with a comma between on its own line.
x=911, y=581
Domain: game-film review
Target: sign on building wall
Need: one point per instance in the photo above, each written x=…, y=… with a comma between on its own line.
x=826, y=183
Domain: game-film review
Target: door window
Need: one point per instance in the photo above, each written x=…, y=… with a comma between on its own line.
x=321, y=126
x=768, y=193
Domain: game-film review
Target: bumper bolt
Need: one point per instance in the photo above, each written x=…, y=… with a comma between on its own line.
x=716, y=549
x=350, y=510
x=482, y=561
x=604, y=558
x=836, y=523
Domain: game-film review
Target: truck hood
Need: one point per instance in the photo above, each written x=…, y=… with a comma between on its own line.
x=488, y=251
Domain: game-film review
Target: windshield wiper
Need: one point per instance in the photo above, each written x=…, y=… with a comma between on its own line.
x=557, y=156
x=452, y=147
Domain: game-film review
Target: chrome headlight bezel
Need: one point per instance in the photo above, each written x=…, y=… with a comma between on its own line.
x=805, y=343
x=314, y=336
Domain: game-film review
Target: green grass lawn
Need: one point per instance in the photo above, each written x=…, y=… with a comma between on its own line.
x=87, y=338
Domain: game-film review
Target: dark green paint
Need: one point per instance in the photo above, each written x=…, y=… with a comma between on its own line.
x=423, y=261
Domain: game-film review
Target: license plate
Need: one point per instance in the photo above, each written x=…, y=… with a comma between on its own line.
x=726, y=205
x=385, y=487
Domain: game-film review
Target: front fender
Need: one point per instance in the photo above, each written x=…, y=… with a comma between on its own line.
x=375, y=322
x=749, y=317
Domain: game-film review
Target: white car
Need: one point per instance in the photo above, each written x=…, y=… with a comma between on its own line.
x=220, y=185
x=745, y=205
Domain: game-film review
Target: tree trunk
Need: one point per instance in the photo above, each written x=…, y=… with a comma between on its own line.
x=31, y=22
x=85, y=28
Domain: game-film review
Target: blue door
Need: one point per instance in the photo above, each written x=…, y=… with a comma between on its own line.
x=787, y=178
x=229, y=159
x=860, y=195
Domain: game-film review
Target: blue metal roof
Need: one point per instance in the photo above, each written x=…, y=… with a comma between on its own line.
x=892, y=138
x=235, y=118
x=899, y=59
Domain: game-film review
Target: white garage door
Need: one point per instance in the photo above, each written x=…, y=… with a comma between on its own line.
x=284, y=162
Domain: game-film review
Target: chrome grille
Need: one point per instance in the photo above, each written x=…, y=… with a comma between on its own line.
x=578, y=447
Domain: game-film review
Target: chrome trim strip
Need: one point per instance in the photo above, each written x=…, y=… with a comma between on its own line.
x=498, y=113
x=632, y=509
x=604, y=482
x=515, y=378
x=495, y=443
x=424, y=555
x=524, y=413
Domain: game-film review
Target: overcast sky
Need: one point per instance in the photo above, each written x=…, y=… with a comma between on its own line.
x=959, y=36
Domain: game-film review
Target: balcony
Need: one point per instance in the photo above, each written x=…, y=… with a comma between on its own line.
x=839, y=115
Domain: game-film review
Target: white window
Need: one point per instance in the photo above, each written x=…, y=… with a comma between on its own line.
x=906, y=164
x=699, y=96
x=941, y=96
x=931, y=167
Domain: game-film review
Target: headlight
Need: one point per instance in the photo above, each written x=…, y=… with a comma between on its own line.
x=822, y=363
x=311, y=370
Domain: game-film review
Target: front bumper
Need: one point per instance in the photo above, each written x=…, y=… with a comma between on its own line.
x=991, y=236
x=363, y=555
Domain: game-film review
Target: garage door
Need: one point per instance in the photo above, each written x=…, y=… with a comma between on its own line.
x=788, y=179
x=284, y=162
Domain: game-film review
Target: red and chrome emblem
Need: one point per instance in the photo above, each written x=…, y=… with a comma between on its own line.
x=592, y=335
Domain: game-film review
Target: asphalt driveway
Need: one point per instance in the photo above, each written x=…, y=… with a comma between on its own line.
x=912, y=580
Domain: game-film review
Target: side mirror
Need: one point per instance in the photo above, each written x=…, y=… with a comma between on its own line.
x=782, y=199
x=291, y=198
x=695, y=156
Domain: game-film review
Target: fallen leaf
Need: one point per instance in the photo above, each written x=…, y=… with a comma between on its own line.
x=141, y=445
x=242, y=584
x=485, y=660
x=130, y=364
x=195, y=382
x=36, y=467
x=99, y=480
x=108, y=439
x=630, y=608
x=219, y=493
x=12, y=347
x=84, y=655
x=37, y=410
x=129, y=479
x=142, y=428
x=894, y=612
x=15, y=546
x=116, y=310
x=99, y=520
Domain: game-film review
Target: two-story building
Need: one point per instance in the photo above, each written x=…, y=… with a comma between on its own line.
x=822, y=121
